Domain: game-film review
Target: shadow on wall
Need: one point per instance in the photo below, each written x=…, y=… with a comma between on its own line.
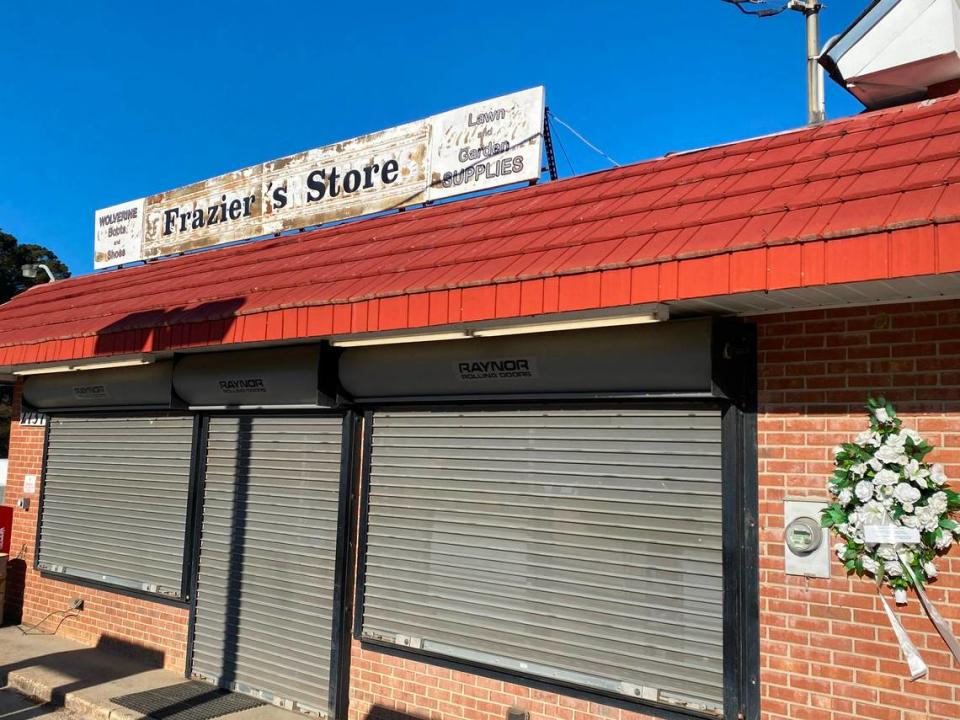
x=380, y=712
x=87, y=666
x=164, y=328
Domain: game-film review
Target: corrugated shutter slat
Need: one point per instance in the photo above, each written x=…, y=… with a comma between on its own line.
x=267, y=557
x=115, y=499
x=580, y=545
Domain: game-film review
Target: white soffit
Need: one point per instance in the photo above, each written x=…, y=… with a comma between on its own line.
x=919, y=289
x=897, y=50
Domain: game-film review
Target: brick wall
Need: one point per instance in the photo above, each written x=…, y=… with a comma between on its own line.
x=385, y=687
x=126, y=624
x=827, y=650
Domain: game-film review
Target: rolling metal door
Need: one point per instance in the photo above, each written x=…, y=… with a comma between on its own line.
x=115, y=500
x=582, y=546
x=265, y=593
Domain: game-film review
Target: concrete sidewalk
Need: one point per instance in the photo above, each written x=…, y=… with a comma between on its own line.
x=13, y=706
x=65, y=674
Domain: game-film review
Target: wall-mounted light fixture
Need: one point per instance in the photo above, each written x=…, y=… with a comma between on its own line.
x=30, y=270
x=72, y=367
x=572, y=324
x=399, y=339
x=658, y=314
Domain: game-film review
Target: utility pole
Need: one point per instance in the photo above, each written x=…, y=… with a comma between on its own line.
x=811, y=11
x=815, y=106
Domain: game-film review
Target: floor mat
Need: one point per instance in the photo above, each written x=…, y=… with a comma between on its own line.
x=192, y=700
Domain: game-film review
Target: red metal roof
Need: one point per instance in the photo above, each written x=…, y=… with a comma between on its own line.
x=873, y=196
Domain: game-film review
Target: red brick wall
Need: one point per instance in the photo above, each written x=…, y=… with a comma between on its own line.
x=384, y=687
x=827, y=650
x=127, y=624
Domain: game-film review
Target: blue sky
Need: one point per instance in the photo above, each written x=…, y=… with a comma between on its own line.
x=104, y=102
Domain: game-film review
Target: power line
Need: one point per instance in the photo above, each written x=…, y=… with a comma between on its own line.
x=760, y=10
x=584, y=140
x=564, y=151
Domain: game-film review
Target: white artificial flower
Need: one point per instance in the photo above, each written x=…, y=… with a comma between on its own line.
x=900, y=596
x=859, y=469
x=896, y=440
x=886, y=478
x=944, y=541
x=867, y=438
x=889, y=454
x=916, y=473
x=937, y=475
x=864, y=490
x=844, y=529
x=928, y=518
x=845, y=497
x=882, y=416
x=875, y=464
x=837, y=450
x=887, y=551
x=938, y=501
x=906, y=494
x=840, y=548
x=854, y=519
x=912, y=434
x=888, y=502
x=892, y=568
x=930, y=569
x=870, y=565
x=910, y=521
x=874, y=513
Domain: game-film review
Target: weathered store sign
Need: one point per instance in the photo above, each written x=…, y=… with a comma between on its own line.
x=478, y=147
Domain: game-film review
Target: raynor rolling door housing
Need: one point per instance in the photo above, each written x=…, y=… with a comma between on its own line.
x=286, y=377
x=143, y=386
x=677, y=357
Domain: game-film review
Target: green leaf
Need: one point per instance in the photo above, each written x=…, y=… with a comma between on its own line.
x=948, y=524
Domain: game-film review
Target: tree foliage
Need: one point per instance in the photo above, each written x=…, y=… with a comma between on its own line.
x=12, y=258
x=14, y=255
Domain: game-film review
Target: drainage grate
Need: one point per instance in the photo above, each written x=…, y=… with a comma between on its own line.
x=192, y=700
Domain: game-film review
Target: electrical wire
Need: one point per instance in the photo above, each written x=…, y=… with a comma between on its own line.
x=66, y=616
x=565, y=156
x=760, y=11
x=584, y=140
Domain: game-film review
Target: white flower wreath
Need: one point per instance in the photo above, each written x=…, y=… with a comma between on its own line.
x=881, y=478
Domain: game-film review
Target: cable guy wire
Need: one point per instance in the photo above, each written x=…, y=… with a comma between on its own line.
x=584, y=140
x=760, y=11
x=573, y=170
